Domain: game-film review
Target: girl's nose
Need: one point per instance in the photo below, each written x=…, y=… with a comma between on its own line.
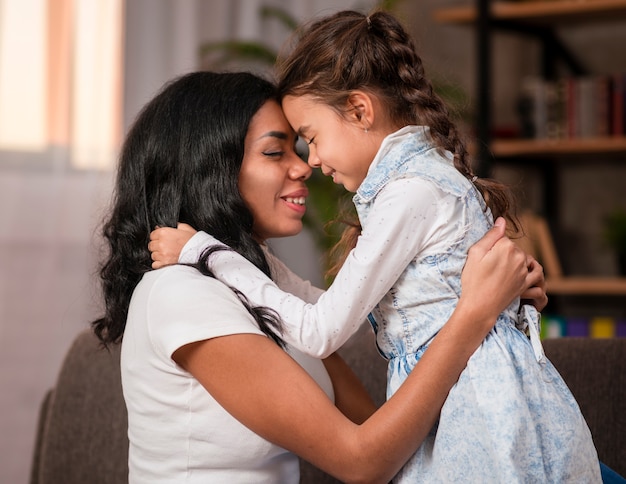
x=313, y=160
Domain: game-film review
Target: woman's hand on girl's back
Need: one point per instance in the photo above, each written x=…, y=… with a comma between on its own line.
x=495, y=273
x=535, y=294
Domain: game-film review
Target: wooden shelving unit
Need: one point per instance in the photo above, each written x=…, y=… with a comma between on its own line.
x=538, y=12
x=538, y=18
x=586, y=286
x=549, y=148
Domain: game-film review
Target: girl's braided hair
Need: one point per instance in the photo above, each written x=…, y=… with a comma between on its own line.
x=347, y=51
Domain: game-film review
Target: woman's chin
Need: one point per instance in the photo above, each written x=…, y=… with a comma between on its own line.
x=293, y=229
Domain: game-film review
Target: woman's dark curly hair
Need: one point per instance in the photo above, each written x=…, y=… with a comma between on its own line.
x=180, y=162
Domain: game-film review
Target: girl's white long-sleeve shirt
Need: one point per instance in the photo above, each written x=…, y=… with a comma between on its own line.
x=410, y=217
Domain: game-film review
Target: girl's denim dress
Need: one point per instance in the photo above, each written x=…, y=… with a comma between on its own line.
x=510, y=417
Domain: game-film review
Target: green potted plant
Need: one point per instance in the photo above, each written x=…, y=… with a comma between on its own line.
x=615, y=236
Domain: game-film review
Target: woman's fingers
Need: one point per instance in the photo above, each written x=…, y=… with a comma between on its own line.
x=535, y=292
x=488, y=241
x=495, y=271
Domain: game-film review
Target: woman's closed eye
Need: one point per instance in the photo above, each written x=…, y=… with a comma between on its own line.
x=274, y=153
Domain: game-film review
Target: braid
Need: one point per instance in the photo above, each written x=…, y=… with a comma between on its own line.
x=415, y=90
x=334, y=56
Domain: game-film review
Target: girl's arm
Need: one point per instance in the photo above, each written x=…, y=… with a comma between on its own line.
x=408, y=217
x=351, y=397
x=400, y=224
x=167, y=243
x=275, y=398
x=172, y=241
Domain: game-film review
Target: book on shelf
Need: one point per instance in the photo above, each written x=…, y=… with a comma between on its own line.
x=573, y=107
x=555, y=326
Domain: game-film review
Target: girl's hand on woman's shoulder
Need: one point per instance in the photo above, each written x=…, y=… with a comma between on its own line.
x=166, y=243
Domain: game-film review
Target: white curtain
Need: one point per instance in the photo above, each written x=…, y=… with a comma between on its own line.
x=73, y=75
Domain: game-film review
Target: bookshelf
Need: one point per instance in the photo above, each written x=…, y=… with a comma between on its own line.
x=538, y=19
x=587, y=286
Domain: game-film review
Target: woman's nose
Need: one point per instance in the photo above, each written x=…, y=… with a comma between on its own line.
x=300, y=170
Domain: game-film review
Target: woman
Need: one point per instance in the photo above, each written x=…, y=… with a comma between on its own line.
x=212, y=396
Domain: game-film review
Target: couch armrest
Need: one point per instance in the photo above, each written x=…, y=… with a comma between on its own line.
x=82, y=433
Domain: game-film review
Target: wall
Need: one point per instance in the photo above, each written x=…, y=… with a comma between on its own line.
x=47, y=257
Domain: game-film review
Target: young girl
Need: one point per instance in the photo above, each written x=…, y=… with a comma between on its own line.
x=354, y=90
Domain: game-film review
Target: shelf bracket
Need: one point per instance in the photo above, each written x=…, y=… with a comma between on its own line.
x=483, y=96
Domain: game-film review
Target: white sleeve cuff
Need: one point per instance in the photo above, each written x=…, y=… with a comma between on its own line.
x=195, y=246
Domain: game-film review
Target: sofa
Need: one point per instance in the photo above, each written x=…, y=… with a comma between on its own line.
x=81, y=433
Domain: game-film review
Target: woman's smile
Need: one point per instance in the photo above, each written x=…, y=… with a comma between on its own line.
x=296, y=200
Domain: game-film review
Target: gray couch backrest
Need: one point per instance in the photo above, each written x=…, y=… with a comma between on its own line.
x=82, y=434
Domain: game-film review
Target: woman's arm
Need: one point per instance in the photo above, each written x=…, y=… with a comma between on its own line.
x=274, y=397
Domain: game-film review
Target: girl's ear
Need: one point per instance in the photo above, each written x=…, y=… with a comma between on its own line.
x=361, y=108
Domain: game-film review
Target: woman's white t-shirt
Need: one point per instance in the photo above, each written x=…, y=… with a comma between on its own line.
x=177, y=431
